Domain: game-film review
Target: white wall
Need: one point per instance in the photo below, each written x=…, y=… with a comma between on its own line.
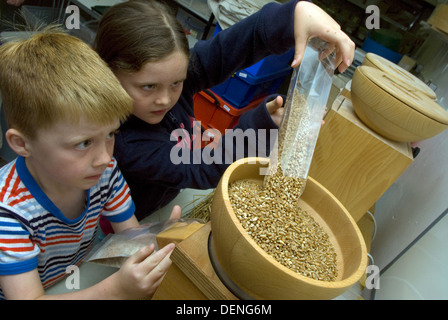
x=417, y=198
x=421, y=272
x=433, y=56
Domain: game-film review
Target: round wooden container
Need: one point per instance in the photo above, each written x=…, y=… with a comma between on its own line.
x=400, y=75
x=260, y=275
x=395, y=111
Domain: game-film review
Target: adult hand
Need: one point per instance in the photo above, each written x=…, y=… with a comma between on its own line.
x=310, y=21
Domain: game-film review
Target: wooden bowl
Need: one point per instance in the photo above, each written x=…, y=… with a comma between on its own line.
x=400, y=75
x=260, y=275
x=393, y=110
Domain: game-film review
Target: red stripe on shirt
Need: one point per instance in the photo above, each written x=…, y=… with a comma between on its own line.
x=7, y=182
x=4, y=240
x=22, y=199
x=118, y=196
x=126, y=197
x=20, y=249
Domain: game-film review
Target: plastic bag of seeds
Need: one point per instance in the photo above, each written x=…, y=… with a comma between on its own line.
x=114, y=249
x=304, y=110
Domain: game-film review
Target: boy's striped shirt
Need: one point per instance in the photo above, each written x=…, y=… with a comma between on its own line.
x=35, y=234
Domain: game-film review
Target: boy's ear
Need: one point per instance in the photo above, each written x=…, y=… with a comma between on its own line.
x=18, y=142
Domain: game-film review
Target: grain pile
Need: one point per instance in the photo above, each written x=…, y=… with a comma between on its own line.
x=286, y=232
x=271, y=216
x=294, y=152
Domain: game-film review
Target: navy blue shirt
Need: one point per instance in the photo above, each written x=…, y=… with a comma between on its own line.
x=144, y=152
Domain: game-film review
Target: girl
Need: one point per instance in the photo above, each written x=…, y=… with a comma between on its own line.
x=147, y=49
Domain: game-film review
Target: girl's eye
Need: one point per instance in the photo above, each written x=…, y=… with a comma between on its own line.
x=178, y=83
x=148, y=87
x=83, y=145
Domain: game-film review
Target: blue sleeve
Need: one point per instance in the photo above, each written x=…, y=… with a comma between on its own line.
x=123, y=216
x=18, y=267
x=269, y=31
x=18, y=254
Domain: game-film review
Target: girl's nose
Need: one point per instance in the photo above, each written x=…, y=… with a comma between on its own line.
x=163, y=98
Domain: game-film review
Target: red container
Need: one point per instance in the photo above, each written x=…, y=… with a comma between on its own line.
x=216, y=113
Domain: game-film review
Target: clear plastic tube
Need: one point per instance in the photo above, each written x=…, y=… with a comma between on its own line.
x=304, y=110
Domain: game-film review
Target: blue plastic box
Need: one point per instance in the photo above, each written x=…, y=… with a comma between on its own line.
x=242, y=88
x=270, y=64
x=371, y=45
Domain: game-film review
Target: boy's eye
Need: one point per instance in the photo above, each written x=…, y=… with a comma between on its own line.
x=83, y=145
x=112, y=134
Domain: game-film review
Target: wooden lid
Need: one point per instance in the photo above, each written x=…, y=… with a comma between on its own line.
x=406, y=94
x=401, y=74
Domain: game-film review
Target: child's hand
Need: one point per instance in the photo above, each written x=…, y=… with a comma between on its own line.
x=141, y=274
x=275, y=110
x=310, y=21
x=176, y=213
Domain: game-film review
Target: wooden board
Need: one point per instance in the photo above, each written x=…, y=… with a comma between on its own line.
x=177, y=233
x=191, y=276
x=354, y=163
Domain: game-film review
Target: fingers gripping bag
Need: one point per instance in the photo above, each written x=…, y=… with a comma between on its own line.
x=305, y=105
x=116, y=248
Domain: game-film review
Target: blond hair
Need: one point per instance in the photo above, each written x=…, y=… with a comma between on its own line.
x=53, y=76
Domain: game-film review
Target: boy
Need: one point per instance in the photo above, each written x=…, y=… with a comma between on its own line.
x=63, y=106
